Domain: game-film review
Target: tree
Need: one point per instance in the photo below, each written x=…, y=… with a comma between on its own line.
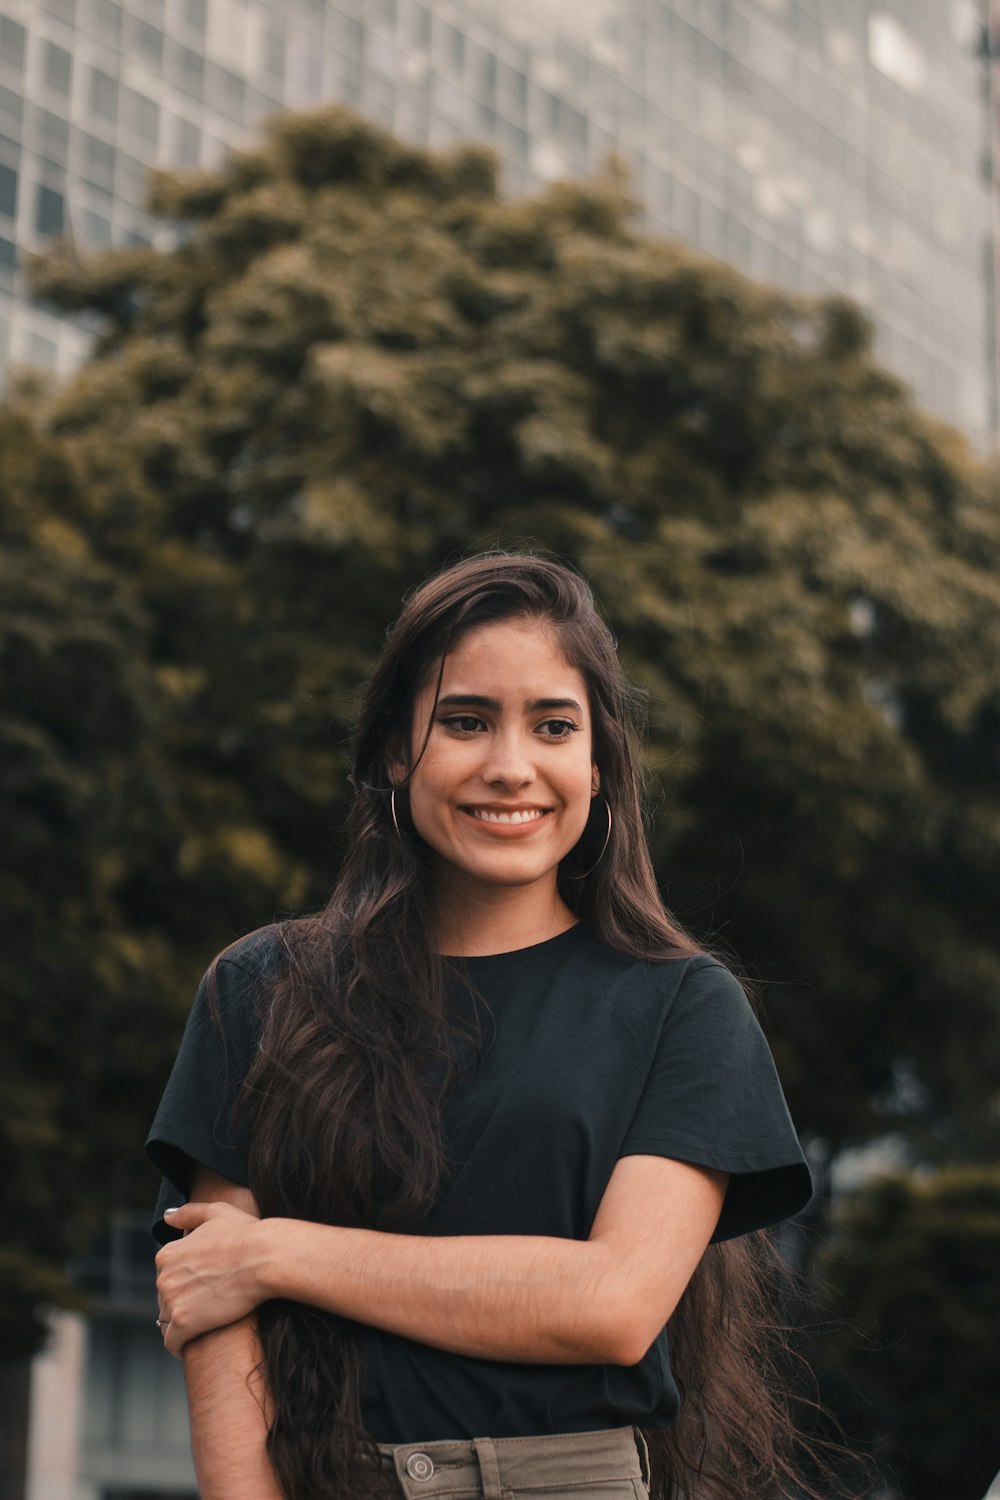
x=82, y=1004
x=361, y=361
x=100, y=889
x=919, y=1256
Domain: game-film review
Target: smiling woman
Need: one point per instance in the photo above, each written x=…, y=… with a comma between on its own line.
x=461, y=1150
x=499, y=789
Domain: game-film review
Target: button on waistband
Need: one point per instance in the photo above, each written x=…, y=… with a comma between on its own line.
x=419, y=1466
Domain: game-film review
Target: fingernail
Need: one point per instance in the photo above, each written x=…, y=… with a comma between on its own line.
x=168, y=1211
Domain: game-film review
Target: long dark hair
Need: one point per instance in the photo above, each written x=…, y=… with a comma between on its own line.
x=343, y=1103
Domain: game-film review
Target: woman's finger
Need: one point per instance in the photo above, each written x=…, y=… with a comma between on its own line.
x=190, y=1215
x=172, y=1340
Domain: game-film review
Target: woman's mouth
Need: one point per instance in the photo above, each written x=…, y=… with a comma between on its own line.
x=516, y=817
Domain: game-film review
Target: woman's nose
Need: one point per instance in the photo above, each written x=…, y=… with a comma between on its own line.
x=508, y=762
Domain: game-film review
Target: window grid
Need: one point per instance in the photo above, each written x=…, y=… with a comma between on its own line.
x=773, y=139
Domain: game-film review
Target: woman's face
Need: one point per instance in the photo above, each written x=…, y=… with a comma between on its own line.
x=502, y=791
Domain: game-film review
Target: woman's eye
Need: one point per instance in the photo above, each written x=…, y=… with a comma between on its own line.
x=558, y=729
x=464, y=723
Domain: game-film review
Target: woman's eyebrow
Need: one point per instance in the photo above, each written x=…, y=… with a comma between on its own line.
x=555, y=703
x=476, y=700
x=468, y=700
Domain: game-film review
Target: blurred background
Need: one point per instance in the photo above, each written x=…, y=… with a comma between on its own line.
x=300, y=301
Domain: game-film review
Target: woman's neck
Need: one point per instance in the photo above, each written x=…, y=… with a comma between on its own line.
x=470, y=921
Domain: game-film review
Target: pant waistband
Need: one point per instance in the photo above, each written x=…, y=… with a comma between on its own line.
x=431, y=1471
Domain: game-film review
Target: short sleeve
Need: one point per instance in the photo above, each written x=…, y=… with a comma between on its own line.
x=712, y=1098
x=197, y=1119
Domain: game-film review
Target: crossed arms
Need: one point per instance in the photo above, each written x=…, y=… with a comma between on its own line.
x=526, y=1298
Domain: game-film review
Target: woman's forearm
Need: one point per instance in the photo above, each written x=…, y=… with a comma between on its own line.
x=527, y=1298
x=547, y=1301
x=227, y=1399
x=517, y=1297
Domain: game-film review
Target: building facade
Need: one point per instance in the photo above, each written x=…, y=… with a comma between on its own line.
x=105, y=1408
x=821, y=145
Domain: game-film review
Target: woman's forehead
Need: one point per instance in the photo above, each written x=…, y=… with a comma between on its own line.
x=511, y=658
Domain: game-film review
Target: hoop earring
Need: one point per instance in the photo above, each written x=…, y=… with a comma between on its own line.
x=392, y=809
x=604, y=848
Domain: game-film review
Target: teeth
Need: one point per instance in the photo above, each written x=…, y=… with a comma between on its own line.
x=486, y=816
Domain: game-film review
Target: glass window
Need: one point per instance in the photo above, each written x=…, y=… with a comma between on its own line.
x=712, y=230
x=8, y=191
x=349, y=92
x=96, y=229
x=512, y=141
x=574, y=126
x=148, y=41
x=52, y=174
x=738, y=244
x=143, y=116
x=191, y=71
x=53, y=133
x=103, y=94
x=42, y=351
x=453, y=46
x=421, y=26
x=50, y=211
x=11, y=105
x=488, y=76
x=11, y=43
x=131, y=179
x=108, y=14
x=196, y=14
x=233, y=92
x=515, y=87
x=411, y=119
x=8, y=254
x=684, y=213
x=382, y=57
x=273, y=55
x=188, y=143
x=352, y=35
x=98, y=162
x=576, y=65
x=305, y=68
x=57, y=68
x=379, y=99
x=66, y=9
x=712, y=15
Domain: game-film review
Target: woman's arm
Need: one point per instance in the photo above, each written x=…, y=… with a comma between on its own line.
x=227, y=1396
x=544, y=1300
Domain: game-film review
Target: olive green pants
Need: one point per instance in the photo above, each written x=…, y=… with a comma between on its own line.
x=566, y=1466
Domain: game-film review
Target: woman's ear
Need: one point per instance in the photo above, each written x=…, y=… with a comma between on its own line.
x=595, y=781
x=396, y=767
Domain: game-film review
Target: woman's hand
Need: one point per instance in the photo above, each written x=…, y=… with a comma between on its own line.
x=211, y=1277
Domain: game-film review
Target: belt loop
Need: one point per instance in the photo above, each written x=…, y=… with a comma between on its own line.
x=644, y=1470
x=489, y=1469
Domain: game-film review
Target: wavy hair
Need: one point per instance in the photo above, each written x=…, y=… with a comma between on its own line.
x=343, y=1104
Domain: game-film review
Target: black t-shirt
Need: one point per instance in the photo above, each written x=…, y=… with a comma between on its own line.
x=588, y=1056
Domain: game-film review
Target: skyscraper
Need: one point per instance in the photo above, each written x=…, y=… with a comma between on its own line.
x=823, y=145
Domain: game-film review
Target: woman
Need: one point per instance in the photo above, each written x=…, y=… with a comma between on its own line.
x=454, y=1148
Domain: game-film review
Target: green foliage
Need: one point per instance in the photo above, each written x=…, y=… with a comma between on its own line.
x=109, y=899
x=918, y=1259
x=361, y=362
